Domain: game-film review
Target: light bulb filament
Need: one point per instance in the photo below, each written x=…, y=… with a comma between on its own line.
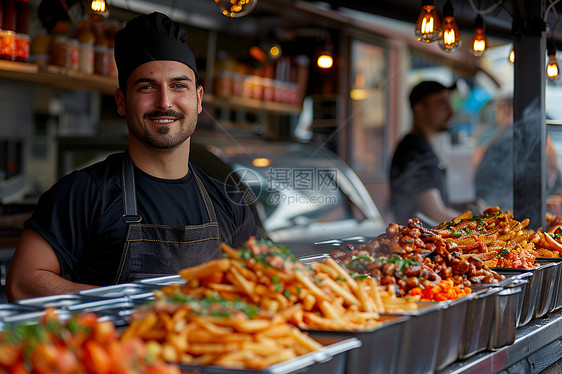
x=552, y=70
x=98, y=6
x=449, y=37
x=479, y=45
x=427, y=25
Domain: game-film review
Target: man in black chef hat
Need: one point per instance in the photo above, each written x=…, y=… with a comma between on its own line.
x=145, y=212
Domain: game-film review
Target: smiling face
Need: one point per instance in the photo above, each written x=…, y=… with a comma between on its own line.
x=161, y=104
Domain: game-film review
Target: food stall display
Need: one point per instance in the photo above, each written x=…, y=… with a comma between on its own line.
x=437, y=296
x=82, y=344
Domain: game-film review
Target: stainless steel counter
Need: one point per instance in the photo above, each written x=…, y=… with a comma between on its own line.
x=537, y=345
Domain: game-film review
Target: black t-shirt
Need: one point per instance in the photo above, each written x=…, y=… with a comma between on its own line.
x=81, y=215
x=415, y=168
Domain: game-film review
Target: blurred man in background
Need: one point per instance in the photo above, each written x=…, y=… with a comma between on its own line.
x=417, y=176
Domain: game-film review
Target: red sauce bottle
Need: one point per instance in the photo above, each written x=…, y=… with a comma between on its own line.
x=22, y=21
x=10, y=15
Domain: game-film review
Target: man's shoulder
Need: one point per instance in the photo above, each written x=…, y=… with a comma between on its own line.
x=101, y=173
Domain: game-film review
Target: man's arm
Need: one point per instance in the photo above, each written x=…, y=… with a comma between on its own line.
x=432, y=206
x=35, y=270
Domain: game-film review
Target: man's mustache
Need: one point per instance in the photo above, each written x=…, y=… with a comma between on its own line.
x=167, y=113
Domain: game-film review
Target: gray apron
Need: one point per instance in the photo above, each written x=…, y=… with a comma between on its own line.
x=155, y=250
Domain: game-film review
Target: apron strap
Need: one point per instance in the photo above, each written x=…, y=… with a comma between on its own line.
x=130, y=213
x=206, y=198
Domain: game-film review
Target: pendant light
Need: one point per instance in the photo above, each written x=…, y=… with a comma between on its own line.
x=98, y=6
x=450, y=36
x=326, y=58
x=479, y=40
x=236, y=8
x=428, y=25
x=552, y=71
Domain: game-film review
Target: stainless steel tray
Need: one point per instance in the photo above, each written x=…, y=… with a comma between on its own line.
x=33, y=317
x=539, y=293
x=452, y=329
x=478, y=323
x=62, y=301
x=130, y=290
x=557, y=302
x=507, y=311
x=379, y=351
x=417, y=352
x=162, y=281
x=116, y=310
x=328, y=360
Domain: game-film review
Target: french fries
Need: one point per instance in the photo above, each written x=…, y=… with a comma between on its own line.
x=215, y=331
x=320, y=296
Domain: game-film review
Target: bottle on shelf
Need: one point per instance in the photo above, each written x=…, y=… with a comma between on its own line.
x=8, y=32
x=86, y=38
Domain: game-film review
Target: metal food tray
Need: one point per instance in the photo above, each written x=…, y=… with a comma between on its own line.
x=116, y=310
x=507, y=311
x=330, y=359
x=63, y=301
x=478, y=323
x=379, y=350
x=539, y=294
x=557, y=302
x=162, y=281
x=417, y=352
x=134, y=291
x=32, y=317
x=452, y=328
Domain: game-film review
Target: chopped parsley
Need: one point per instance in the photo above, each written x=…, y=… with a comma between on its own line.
x=400, y=262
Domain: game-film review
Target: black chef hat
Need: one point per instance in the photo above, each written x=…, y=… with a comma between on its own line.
x=425, y=88
x=151, y=37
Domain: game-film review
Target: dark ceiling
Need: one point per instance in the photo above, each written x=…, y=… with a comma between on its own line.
x=498, y=15
x=281, y=13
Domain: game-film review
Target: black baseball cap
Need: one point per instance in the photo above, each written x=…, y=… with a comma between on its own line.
x=151, y=37
x=425, y=88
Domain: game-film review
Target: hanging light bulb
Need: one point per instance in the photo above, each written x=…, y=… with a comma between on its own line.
x=512, y=56
x=450, y=36
x=552, y=71
x=428, y=25
x=98, y=6
x=326, y=58
x=236, y=8
x=479, y=40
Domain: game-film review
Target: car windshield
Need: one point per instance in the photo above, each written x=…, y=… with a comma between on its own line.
x=287, y=197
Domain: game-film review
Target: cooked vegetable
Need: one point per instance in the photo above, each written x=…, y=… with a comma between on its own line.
x=83, y=344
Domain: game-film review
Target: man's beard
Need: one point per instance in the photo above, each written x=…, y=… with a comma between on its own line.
x=161, y=139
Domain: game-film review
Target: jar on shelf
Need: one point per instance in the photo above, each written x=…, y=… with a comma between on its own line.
x=65, y=52
x=22, y=47
x=8, y=45
x=102, y=56
x=223, y=83
x=86, y=38
x=40, y=49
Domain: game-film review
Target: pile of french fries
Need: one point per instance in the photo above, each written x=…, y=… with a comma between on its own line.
x=320, y=296
x=182, y=331
x=248, y=309
x=507, y=241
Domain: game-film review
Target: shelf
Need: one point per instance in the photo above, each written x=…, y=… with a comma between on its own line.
x=252, y=105
x=58, y=77
x=54, y=76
